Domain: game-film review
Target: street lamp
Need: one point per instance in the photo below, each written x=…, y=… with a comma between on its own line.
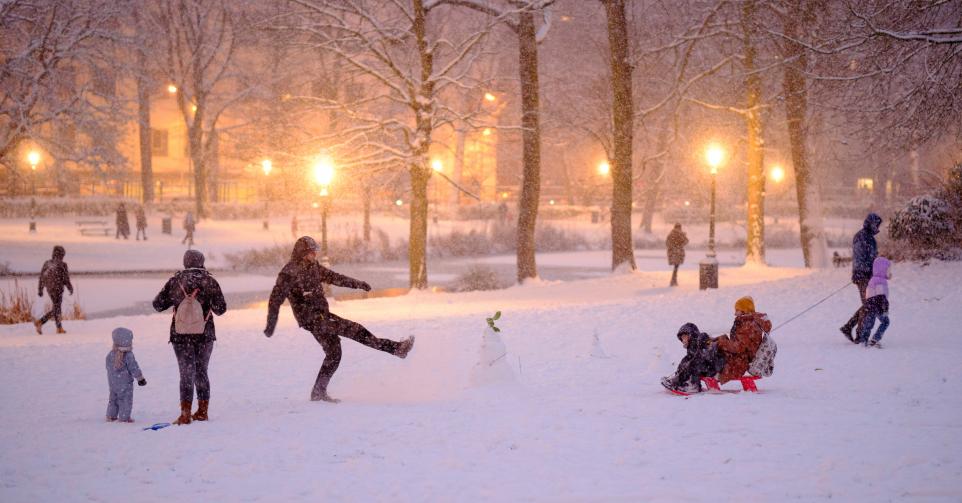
x=324, y=175
x=708, y=267
x=266, y=166
x=604, y=168
x=33, y=157
x=777, y=174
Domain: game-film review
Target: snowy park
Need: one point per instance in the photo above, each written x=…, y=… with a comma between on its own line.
x=480, y=251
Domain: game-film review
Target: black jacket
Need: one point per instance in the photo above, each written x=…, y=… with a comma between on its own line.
x=865, y=248
x=209, y=295
x=302, y=284
x=54, y=275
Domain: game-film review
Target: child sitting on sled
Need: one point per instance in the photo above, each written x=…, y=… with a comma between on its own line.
x=702, y=360
x=122, y=369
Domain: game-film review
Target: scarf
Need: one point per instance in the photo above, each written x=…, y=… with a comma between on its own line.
x=119, y=355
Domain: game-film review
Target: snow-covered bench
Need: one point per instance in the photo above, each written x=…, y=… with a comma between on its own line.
x=94, y=228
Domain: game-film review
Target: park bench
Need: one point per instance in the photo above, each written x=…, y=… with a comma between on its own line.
x=94, y=228
x=748, y=383
x=839, y=260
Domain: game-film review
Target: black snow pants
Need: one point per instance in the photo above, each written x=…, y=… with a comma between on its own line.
x=327, y=330
x=56, y=313
x=193, y=358
x=856, y=320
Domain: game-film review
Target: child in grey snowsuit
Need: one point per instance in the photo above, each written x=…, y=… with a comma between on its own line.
x=122, y=369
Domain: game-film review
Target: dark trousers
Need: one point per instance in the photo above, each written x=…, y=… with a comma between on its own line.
x=327, y=330
x=856, y=320
x=55, y=312
x=193, y=358
x=874, y=309
x=122, y=231
x=189, y=238
x=141, y=230
x=674, y=276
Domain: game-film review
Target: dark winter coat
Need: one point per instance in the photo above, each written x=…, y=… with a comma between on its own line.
x=702, y=359
x=739, y=347
x=864, y=248
x=141, y=219
x=54, y=275
x=209, y=295
x=677, y=239
x=302, y=284
x=123, y=224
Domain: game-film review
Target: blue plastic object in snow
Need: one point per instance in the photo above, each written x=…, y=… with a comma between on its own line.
x=157, y=426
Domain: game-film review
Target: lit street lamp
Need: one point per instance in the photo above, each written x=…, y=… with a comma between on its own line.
x=266, y=166
x=604, y=168
x=777, y=174
x=33, y=157
x=324, y=175
x=708, y=267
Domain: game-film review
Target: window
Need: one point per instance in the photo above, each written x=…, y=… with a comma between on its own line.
x=866, y=183
x=158, y=142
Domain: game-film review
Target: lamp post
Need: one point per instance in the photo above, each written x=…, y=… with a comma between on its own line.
x=776, y=174
x=708, y=267
x=324, y=175
x=266, y=166
x=33, y=157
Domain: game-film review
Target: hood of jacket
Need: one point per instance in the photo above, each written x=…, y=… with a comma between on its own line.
x=58, y=252
x=193, y=259
x=880, y=267
x=122, y=337
x=302, y=247
x=872, y=223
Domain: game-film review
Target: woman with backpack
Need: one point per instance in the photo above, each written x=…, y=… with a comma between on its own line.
x=195, y=295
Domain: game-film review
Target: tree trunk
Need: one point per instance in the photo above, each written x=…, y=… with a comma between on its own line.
x=196, y=146
x=622, y=247
x=531, y=147
x=652, y=190
x=143, y=130
x=755, y=222
x=417, y=246
x=367, y=212
x=794, y=85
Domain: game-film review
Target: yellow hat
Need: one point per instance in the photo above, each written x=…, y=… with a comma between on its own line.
x=745, y=304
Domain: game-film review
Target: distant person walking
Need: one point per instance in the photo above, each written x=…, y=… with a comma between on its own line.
x=54, y=276
x=864, y=251
x=195, y=295
x=294, y=226
x=141, y=223
x=123, y=224
x=301, y=282
x=676, y=242
x=189, y=226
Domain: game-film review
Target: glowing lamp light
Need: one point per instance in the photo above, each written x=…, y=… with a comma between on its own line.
x=504, y=195
x=267, y=166
x=489, y=97
x=33, y=157
x=715, y=155
x=324, y=171
x=172, y=89
x=399, y=202
x=436, y=165
x=486, y=132
x=551, y=202
x=687, y=203
x=193, y=108
x=324, y=192
x=604, y=168
x=777, y=174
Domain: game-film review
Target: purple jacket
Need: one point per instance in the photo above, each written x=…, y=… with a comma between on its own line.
x=879, y=284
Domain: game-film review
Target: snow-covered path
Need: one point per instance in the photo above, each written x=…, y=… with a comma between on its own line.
x=835, y=421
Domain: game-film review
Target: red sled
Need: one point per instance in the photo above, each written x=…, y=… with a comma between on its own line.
x=748, y=383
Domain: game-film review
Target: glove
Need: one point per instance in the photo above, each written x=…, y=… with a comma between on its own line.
x=268, y=332
x=39, y=294
x=142, y=382
x=71, y=292
x=364, y=286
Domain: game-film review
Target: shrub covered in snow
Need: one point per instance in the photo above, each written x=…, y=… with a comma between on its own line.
x=924, y=224
x=478, y=277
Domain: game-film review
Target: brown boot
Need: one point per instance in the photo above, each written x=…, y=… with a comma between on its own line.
x=39, y=326
x=201, y=414
x=184, y=414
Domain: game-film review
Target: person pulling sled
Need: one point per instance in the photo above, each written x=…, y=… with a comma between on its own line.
x=301, y=282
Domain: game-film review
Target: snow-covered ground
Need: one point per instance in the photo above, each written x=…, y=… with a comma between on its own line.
x=835, y=422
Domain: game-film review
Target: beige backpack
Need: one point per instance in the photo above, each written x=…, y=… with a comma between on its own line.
x=189, y=316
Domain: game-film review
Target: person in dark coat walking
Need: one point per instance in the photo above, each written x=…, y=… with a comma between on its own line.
x=54, y=276
x=702, y=360
x=123, y=224
x=864, y=251
x=193, y=351
x=141, y=223
x=301, y=282
x=677, y=239
x=189, y=226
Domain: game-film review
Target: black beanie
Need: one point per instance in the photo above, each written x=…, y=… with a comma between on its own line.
x=688, y=329
x=193, y=259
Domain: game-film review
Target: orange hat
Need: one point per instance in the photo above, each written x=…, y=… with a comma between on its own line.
x=745, y=304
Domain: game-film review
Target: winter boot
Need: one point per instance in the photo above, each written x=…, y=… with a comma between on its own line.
x=404, y=347
x=322, y=396
x=38, y=326
x=60, y=330
x=184, y=414
x=847, y=332
x=201, y=414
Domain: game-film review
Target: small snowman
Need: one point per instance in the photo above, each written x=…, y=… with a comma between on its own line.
x=492, y=366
